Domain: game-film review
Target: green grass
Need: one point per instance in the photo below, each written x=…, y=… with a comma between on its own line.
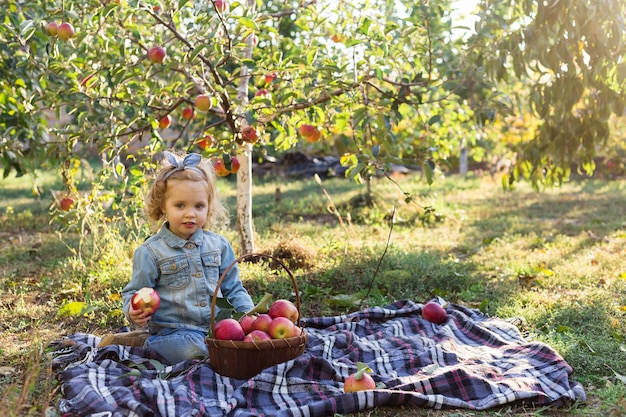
x=553, y=258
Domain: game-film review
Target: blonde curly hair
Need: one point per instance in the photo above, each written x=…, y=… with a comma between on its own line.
x=202, y=172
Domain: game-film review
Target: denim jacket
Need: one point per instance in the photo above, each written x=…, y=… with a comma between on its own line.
x=185, y=274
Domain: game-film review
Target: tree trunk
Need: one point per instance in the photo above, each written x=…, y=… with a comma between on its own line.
x=245, y=226
x=463, y=159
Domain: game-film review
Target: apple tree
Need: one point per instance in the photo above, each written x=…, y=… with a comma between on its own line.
x=133, y=78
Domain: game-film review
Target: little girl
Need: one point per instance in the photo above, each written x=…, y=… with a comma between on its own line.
x=183, y=261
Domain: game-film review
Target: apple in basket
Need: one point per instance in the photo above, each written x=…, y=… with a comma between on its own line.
x=284, y=308
x=361, y=380
x=256, y=336
x=434, y=313
x=246, y=323
x=146, y=299
x=282, y=328
x=228, y=329
x=262, y=322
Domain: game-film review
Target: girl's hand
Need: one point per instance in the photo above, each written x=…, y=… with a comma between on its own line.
x=139, y=317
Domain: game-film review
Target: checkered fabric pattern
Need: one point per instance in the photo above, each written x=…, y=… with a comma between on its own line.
x=471, y=361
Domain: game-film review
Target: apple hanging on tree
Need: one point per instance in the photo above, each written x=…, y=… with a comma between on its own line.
x=66, y=203
x=249, y=134
x=203, y=102
x=310, y=133
x=165, y=122
x=157, y=54
x=52, y=28
x=65, y=31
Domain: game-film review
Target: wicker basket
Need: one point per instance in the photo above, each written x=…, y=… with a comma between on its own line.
x=243, y=360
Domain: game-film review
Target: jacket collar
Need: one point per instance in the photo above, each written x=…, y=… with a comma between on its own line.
x=176, y=241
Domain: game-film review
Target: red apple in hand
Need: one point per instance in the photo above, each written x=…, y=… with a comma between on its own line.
x=281, y=328
x=284, y=308
x=228, y=329
x=434, y=313
x=147, y=300
x=360, y=380
x=257, y=336
x=67, y=203
x=262, y=322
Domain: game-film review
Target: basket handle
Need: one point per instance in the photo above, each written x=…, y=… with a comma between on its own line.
x=242, y=258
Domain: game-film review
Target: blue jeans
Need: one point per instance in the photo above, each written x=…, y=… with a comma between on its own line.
x=177, y=345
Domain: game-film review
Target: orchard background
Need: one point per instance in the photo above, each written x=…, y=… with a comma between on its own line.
x=533, y=93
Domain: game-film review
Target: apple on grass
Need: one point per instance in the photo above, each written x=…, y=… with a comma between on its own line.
x=147, y=300
x=434, y=313
x=284, y=308
x=361, y=380
x=262, y=322
x=157, y=54
x=228, y=329
x=257, y=336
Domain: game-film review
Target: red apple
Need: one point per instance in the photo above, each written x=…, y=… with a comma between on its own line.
x=310, y=133
x=228, y=329
x=221, y=5
x=246, y=323
x=434, y=313
x=262, y=322
x=165, y=121
x=281, y=328
x=234, y=165
x=249, y=134
x=52, y=28
x=361, y=380
x=262, y=92
x=284, y=308
x=257, y=336
x=203, y=102
x=206, y=142
x=65, y=31
x=66, y=203
x=157, y=54
x=188, y=113
x=220, y=168
x=147, y=300
x=270, y=77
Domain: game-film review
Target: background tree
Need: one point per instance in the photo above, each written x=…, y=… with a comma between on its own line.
x=571, y=55
x=380, y=82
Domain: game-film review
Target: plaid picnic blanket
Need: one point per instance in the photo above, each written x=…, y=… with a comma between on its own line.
x=472, y=361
